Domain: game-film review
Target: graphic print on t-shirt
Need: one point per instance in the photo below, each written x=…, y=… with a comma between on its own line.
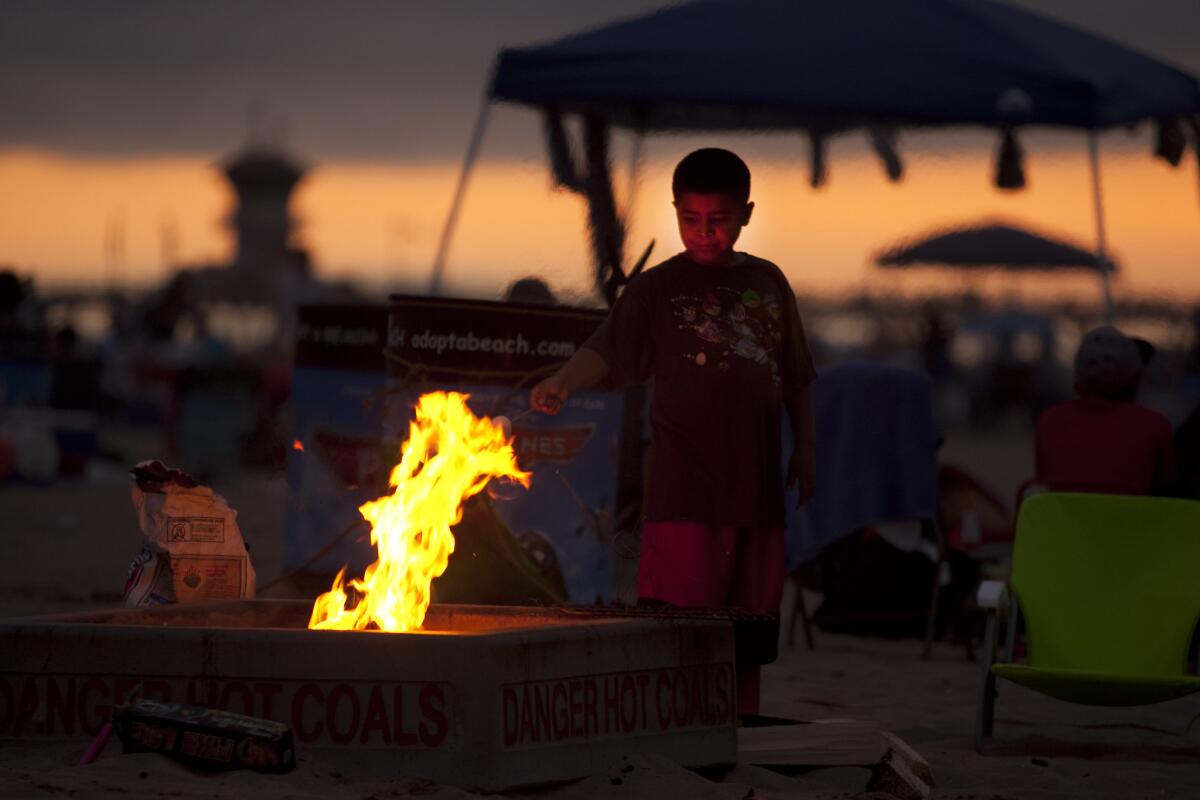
x=731, y=323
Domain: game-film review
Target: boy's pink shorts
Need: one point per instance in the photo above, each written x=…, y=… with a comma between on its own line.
x=690, y=564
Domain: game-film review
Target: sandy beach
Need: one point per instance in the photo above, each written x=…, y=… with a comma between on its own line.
x=70, y=544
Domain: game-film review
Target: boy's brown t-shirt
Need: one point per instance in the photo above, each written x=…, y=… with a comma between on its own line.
x=723, y=345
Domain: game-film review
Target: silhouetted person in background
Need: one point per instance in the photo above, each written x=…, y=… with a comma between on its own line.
x=532, y=290
x=935, y=346
x=11, y=295
x=20, y=321
x=75, y=377
x=1187, y=436
x=1192, y=364
x=1103, y=441
x=1187, y=451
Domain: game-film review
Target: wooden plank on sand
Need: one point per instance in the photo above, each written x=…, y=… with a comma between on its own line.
x=902, y=772
x=820, y=743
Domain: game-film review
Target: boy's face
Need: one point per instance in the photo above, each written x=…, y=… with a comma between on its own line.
x=709, y=225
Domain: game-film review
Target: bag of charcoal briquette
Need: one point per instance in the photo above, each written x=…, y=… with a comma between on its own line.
x=193, y=549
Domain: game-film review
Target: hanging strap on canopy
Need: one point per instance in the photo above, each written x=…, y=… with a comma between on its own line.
x=632, y=185
x=1195, y=124
x=563, y=164
x=883, y=142
x=818, y=155
x=608, y=234
x=1170, y=140
x=633, y=180
x=1010, y=162
x=593, y=180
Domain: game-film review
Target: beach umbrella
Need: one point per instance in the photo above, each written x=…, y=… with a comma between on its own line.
x=825, y=68
x=990, y=245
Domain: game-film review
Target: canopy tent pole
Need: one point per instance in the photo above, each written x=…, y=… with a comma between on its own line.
x=1101, y=244
x=439, y=260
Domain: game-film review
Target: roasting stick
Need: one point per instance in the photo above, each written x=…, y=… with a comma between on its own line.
x=506, y=423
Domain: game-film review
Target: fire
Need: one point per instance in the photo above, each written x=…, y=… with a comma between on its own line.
x=298, y=445
x=450, y=456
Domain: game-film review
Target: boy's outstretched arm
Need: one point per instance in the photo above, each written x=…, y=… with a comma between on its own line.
x=583, y=370
x=802, y=466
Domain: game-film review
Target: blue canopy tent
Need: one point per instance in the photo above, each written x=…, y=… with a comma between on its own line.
x=827, y=68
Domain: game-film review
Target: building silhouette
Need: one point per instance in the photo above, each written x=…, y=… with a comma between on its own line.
x=270, y=268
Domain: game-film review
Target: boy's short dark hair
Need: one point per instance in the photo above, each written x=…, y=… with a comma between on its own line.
x=712, y=170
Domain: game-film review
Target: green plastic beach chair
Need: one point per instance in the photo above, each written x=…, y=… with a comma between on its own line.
x=1107, y=587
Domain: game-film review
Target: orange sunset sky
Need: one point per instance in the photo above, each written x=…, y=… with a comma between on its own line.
x=378, y=222
x=116, y=114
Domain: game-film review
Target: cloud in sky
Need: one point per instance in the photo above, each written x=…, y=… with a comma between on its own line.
x=365, y=80
x=348, y=80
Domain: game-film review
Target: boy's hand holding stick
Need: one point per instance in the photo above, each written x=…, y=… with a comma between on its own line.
x=548, y=396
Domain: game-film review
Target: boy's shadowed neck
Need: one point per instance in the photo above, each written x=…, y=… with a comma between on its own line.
x=736, y=259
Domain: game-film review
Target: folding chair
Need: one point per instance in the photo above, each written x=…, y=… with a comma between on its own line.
x=1106, y=586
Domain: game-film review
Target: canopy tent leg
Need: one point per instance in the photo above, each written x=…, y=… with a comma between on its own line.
x=439, y=260
x=1101, y=244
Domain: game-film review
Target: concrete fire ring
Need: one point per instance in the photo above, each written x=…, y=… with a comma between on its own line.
x=486, y=697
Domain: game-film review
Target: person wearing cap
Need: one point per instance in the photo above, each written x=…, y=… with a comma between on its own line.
x=1103, y=441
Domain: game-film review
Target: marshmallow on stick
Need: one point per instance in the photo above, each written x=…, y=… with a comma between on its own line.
x=506, y=424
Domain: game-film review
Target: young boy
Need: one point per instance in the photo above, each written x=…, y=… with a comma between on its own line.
x=719, y=333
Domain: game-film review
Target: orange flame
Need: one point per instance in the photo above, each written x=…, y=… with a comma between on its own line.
x=450, y=456
x=298, y=445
